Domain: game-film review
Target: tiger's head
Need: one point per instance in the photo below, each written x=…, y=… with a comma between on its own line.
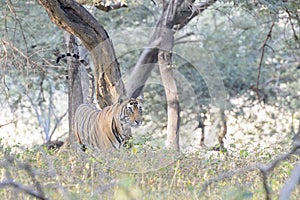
x=133, y=112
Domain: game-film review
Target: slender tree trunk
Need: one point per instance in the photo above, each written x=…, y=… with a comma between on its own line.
x=75, y=96
x=166, y=73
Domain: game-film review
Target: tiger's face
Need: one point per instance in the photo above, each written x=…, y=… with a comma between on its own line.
x=134, y=112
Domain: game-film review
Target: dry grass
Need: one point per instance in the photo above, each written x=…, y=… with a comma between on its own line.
x=71, y=174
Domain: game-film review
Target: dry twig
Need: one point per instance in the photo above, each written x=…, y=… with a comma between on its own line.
x=263, y=48
x=22, y=188
x=1, y=125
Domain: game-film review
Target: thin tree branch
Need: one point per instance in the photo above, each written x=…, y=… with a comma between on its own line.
x=1, y=125
x=56, y=124
x=15, y=49
x=197, y=8
x=290, y=184
x=292, y=25
x=262, y=48
x=227, y=175
x=13, y=11
x=184, y=36
x=23, y=188
x=275, y=162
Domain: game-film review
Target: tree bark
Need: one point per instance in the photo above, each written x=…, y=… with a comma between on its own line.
x=223, y=131
x=166, y=73
x=75, y=95
x=166, y=32
x=75, y=19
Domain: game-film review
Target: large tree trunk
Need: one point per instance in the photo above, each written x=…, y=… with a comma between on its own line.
x=75, y=19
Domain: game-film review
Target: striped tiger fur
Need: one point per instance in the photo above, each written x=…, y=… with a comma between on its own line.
x=106, y=129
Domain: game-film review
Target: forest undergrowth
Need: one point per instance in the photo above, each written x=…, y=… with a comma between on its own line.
x=69, y=173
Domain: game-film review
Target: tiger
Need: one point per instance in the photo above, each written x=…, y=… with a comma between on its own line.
x=106, y=129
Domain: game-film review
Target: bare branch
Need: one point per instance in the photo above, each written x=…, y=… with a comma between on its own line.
x=275, y=162
x=23, y=188
x=56, y=124
x=13, y=11
x=292, y=25
x=6, y=43
x=291, y=183
x=184, y=36
x=228, y=175
x=262, y=48
x=197, y=8
x=1, y=125
x=264, y=169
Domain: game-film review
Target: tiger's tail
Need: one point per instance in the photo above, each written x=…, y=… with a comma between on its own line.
x=76, y=56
